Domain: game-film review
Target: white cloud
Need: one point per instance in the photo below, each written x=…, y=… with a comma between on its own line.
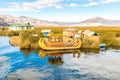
x=90, y=0
x=58, y=7
x=32, y=6
x=48, y=1
x=90, y=4
x=14, y=5
x=72, y=5
x=8, y=10
x=38, y=5
x=109, y=1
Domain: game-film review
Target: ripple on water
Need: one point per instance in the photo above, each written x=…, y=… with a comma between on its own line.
x=27, y=74
x=4, y=67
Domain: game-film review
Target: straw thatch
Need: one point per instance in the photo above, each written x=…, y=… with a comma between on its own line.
x=87, y=33
x=69, y=32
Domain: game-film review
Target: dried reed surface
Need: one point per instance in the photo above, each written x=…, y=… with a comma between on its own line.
x=15, y=41
x=9, y=33
x=115, y=43
x=91, y=42
x=28, y=41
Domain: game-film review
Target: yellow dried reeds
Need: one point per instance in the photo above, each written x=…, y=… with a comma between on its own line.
x=91, y=42
x=15, y=41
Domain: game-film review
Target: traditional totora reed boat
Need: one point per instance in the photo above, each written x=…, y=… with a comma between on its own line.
x=67, y=41
x=46, y=45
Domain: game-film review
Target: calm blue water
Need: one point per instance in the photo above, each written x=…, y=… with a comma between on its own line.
x=16, y=64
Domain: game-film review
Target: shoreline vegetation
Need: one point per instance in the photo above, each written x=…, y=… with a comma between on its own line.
x=108, y=35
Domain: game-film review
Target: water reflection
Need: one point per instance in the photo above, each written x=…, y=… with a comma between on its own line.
x=56, y=57
x=27, y=51
x=90, y=51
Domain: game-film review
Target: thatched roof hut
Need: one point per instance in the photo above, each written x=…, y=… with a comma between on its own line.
x=69, y=32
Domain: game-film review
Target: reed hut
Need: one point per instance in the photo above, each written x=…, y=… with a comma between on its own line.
x=87, y=33
x=68, y=34
x=90, y=39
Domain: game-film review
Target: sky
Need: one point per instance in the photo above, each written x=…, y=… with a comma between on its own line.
x=62, y=10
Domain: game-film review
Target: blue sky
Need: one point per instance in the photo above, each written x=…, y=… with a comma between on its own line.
x=61, y=10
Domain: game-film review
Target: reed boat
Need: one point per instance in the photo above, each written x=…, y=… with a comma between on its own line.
x=45, y=44
x=68, y=40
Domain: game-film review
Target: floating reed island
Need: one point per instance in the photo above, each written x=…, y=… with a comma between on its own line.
x=48, y=39
x=110, y=36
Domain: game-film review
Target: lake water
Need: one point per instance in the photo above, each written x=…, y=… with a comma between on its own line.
x=16, y=64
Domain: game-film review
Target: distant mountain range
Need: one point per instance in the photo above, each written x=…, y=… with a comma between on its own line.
x=98, y=21
x=6, y=20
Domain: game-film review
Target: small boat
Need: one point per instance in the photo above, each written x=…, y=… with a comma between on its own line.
x=46, y=45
